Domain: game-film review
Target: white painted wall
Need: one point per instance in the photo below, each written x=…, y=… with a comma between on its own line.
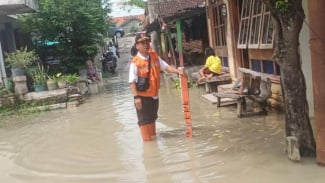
x=306, y=60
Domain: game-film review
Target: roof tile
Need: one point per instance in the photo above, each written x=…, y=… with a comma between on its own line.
x=171, y=8
x=122, y=20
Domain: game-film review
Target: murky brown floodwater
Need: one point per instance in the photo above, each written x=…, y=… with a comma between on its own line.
x=99, y=141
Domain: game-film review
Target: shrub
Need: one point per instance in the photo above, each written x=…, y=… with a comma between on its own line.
x=21, y=58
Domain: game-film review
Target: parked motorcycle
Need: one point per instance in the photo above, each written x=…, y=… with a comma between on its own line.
x=109, y=62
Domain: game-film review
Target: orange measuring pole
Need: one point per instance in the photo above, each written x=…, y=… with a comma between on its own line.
x=184, y=85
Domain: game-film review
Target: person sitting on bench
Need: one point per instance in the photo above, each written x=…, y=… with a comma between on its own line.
x=91, y=71
x=212, y=65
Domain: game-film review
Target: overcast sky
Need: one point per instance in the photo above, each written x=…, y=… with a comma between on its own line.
x=119, y=10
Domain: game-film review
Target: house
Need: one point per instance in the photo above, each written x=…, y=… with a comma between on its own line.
x=242, y=34
x=227, y=24
x=242, y=31
x=129, y=23
x=192, y=15
x=245, y=38
x=10, y=38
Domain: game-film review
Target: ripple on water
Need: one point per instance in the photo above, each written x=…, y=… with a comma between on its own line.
x=100, y=142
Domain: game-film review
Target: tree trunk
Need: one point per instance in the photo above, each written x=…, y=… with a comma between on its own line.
x=287, y=29
x=296, y=114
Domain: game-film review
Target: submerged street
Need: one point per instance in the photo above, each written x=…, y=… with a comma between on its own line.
x=100, y=142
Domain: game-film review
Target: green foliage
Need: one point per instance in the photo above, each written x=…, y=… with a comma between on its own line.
x=282, y=5
x=21, y=107
x=17, y=109
x=39, y=75
x=77, y=25
x=21, y=58
x=138, y=3
x=4, y=92
x=177, y=84
x=133, y=29
x=54, y=77
x=70, y=78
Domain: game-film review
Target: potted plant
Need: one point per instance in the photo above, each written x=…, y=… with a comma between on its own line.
x=20, y=59
x=66, y=79
x=62, y=83
x=39, y=76
x=52, y=82
x=71, y=78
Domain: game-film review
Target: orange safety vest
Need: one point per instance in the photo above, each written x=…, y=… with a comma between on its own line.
x=154, y=78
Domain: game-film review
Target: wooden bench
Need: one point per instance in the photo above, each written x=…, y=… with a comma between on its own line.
x=255, y=86
x=212, y=84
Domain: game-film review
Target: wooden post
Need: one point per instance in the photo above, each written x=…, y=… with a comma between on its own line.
x=184, y=86
x=171, y=48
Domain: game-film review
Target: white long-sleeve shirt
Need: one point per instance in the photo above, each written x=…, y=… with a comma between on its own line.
x=133, y=72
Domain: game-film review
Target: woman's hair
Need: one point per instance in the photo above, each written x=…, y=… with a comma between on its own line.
x=209, y=52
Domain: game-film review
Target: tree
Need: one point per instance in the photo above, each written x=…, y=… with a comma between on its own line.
x=138, y=3
x=77, y=25
x=288, y=17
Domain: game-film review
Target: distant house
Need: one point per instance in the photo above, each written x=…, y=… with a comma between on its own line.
x=130, y=24
x=193, y=19
x=192, y=15
x=10, y=37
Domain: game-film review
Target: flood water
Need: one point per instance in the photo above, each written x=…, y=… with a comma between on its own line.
x=100, y=142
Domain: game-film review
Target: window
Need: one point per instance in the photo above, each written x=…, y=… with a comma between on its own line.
x=267, y=30
x=256, y=65
x=219, y=25
x=244, y=24
x=265, y=66
x=256, y=29
x=255, y=26
x=224, y=61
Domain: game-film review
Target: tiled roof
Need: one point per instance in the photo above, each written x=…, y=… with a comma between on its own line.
x=175, y=7
x=122, y=20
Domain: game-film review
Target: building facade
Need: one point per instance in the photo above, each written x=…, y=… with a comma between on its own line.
x=9, y=36
x=241, y=31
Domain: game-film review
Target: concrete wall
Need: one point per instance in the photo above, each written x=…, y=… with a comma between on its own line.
x=306, y=60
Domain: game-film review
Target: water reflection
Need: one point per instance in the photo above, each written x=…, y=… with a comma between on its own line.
x=99, y=141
